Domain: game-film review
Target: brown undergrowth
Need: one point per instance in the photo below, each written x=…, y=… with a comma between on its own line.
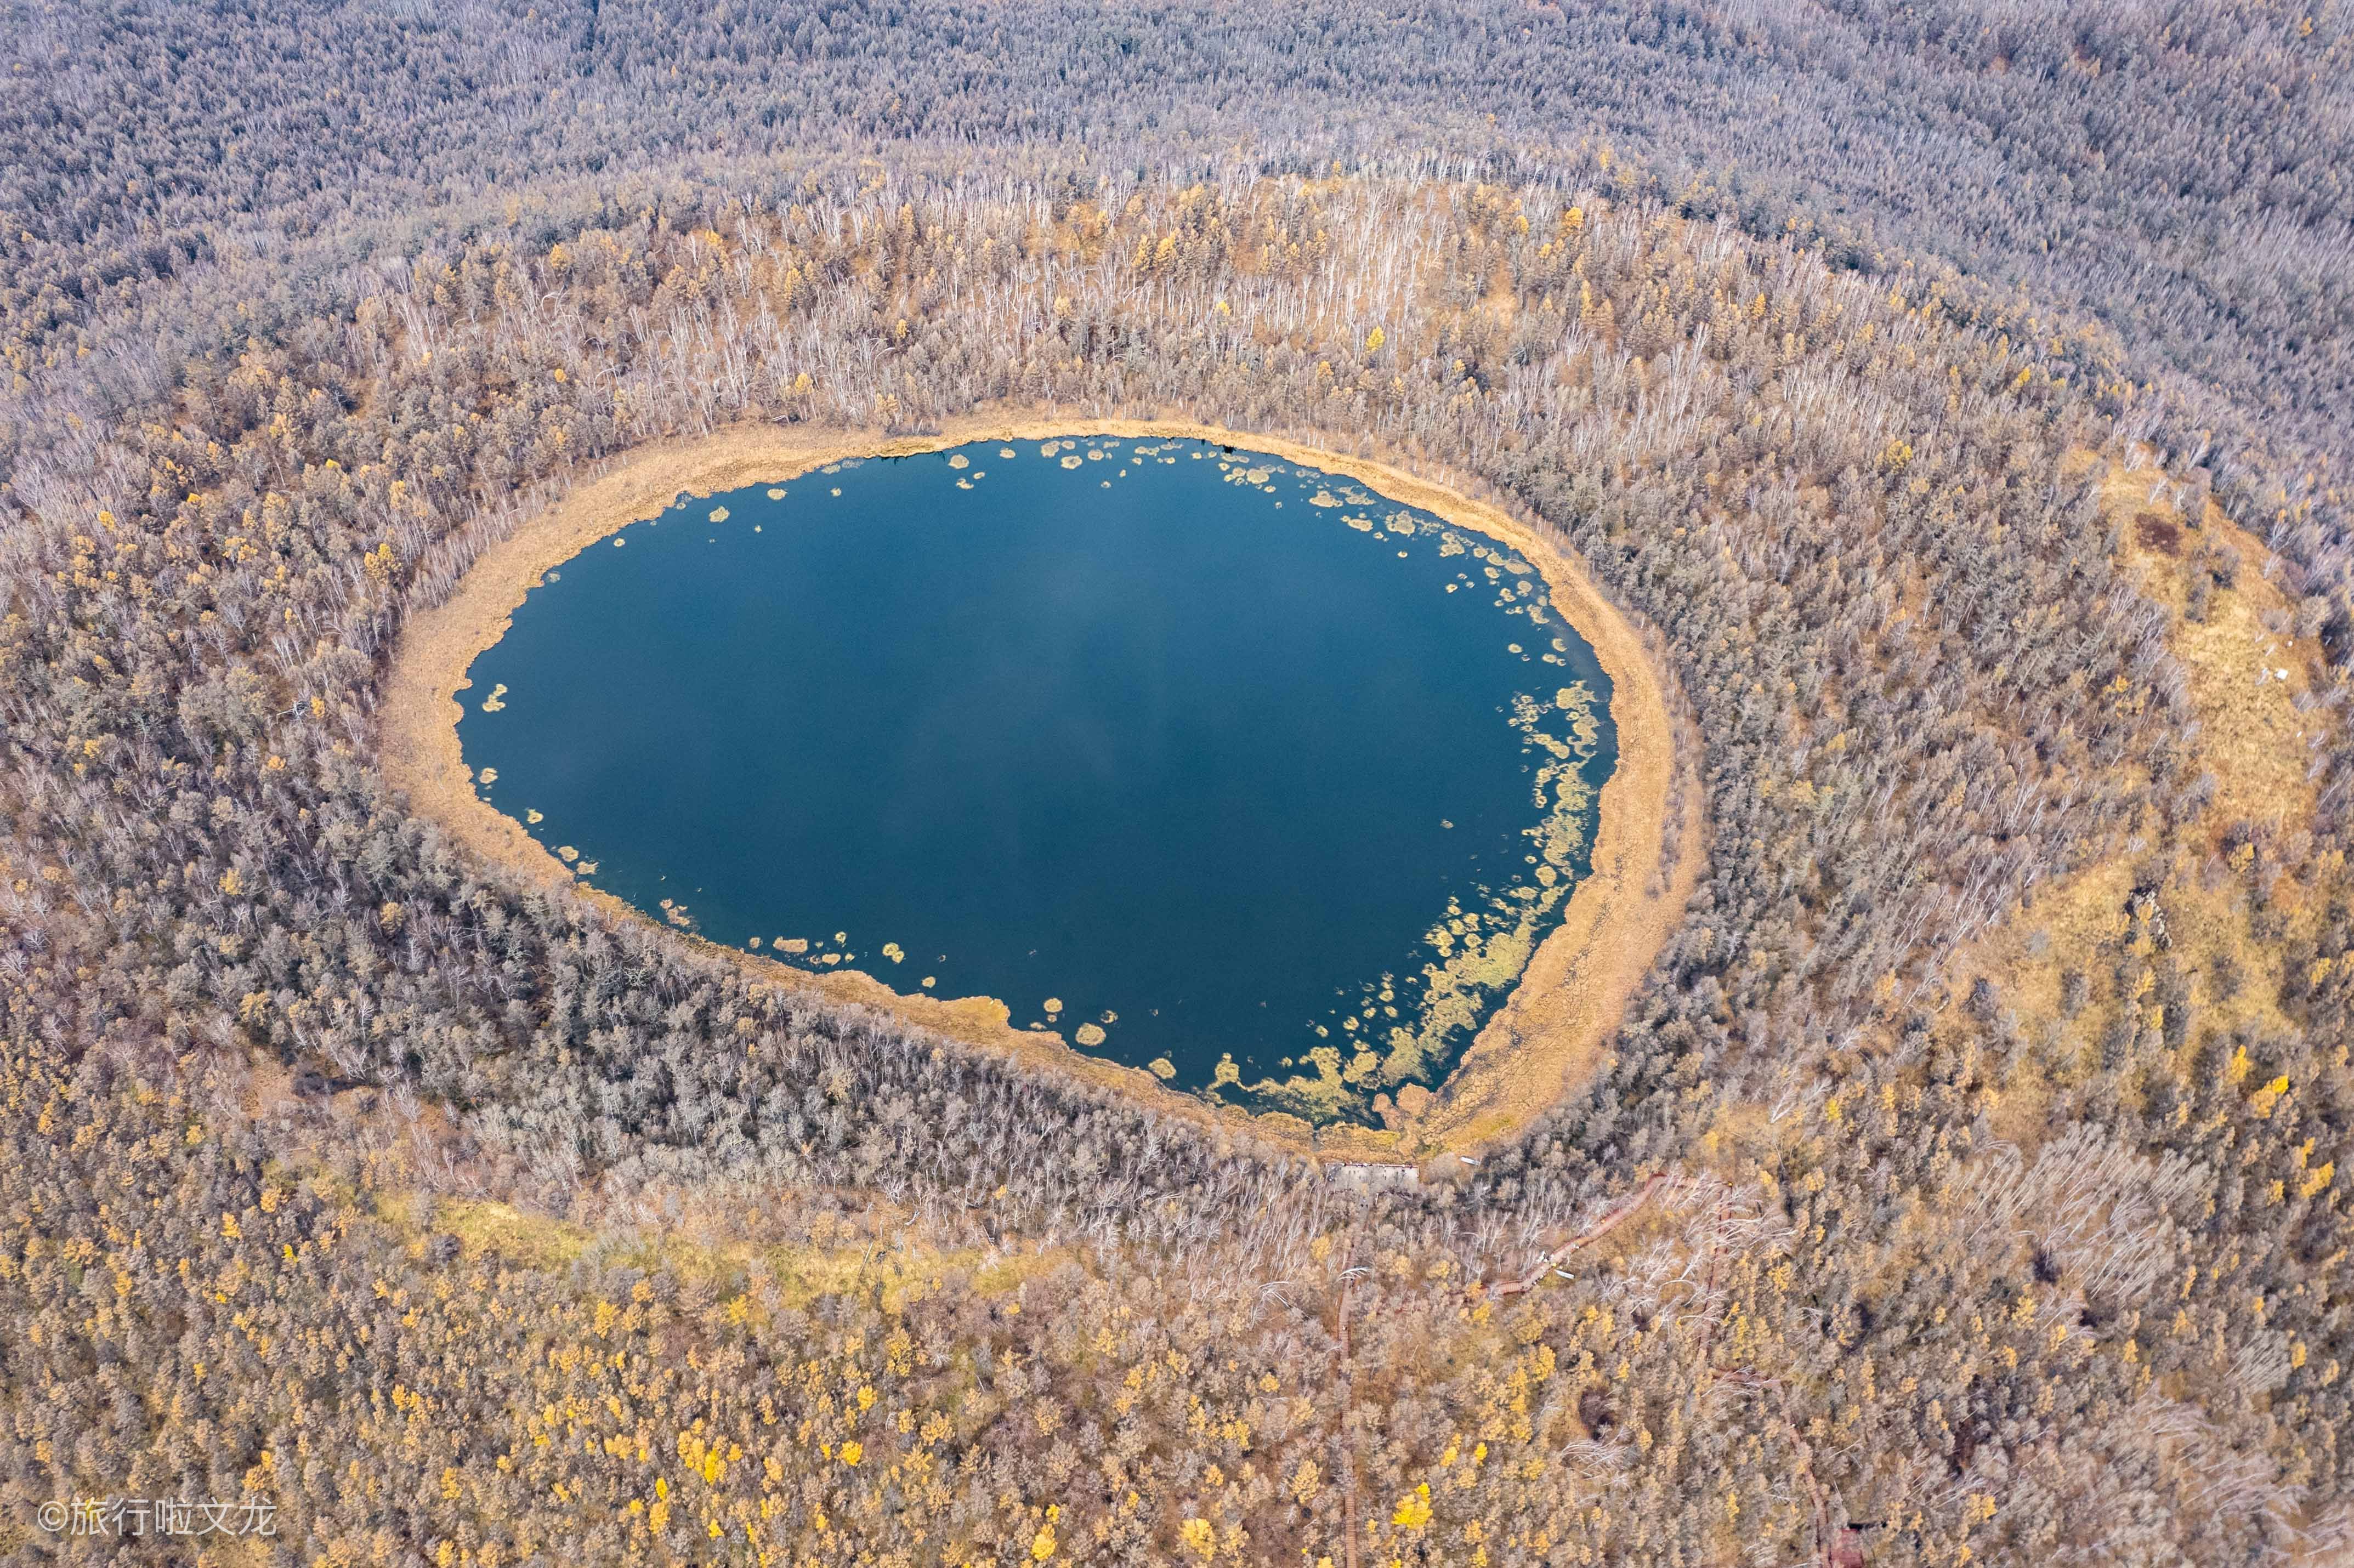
x=2187, y=905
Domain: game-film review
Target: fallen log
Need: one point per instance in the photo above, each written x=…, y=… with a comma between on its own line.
x=1592, y=1233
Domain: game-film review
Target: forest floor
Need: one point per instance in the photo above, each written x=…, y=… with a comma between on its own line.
x=1548, y=1036
x=2242, y=672
x=724, y=1249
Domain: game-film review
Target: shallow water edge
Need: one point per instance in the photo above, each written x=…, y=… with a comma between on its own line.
x=1546, y=1036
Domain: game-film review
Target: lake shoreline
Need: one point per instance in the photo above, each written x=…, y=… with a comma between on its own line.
x=1549, y=1032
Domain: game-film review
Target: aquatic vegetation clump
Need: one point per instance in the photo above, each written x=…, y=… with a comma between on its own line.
x=1478, y=953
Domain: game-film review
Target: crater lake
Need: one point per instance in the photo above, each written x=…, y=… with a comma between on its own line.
x=1213, y=764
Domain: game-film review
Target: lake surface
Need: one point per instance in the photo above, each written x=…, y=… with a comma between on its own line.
x=1213, y=763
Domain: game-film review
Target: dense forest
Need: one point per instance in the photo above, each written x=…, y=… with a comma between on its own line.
x=1956, y=394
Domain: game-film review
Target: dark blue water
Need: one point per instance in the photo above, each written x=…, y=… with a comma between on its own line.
x=1152, y=734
